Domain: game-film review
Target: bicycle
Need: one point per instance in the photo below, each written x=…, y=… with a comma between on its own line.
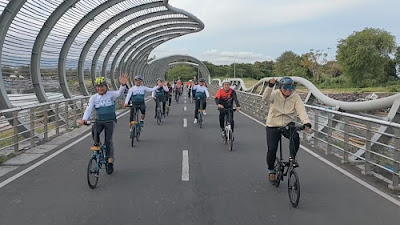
x=136, y=129
x=293, y=177
x=96, y=162
x=158, y=112
x=228, y=137
x=200, y=113
x=177, y=95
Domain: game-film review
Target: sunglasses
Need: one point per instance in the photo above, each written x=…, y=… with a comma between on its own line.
x=288, y=87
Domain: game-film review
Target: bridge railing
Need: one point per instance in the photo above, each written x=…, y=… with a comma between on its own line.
x=372, y=145
x=43, y=121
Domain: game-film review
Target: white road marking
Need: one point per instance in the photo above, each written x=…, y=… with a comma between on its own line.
x=184, y=108
x=185, y=122
x=185, y=165
x=20, y=174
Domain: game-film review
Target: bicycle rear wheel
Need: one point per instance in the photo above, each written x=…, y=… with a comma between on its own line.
x=230, y=140
x=133, y=135
x=158, y=117
x=294, y=188
x=92, y=173
x=200, y=120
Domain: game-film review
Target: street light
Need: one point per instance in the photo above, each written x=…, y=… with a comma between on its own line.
x=234, y=66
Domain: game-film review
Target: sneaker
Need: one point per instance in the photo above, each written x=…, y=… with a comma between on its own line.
x=204, y=112
x=272, y=176
x=223, y=133
x=142, y=123
x=110, y=168
x=195, y=121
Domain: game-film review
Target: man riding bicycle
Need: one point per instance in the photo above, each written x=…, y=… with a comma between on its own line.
x=224, y=100
x=178, y=89
x=200, y=96
x=189, y=88
x=159, y=96
x=104, y=103
x=136, y=94
x=285, y=103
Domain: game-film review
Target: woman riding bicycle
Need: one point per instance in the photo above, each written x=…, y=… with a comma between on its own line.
x=159, y=96
x=285, y=103
x=224, y=100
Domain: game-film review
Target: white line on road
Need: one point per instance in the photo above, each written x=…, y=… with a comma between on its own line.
x=184, y=108
x=20, y=174
x=185, y=165
x=185, y=122
x=185, y=101
x=356, y=179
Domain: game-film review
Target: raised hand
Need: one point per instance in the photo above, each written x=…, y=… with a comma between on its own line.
x=123, y=79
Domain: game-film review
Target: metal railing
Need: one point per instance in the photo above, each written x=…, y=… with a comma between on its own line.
x=371, y=144
x=31, y=125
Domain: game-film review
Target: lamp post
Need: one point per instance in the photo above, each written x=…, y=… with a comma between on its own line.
x=234, y=66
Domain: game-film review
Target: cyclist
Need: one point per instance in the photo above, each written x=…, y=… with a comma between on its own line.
x=178, y=89
x=285, y=103
x=194, y=83
x=201, y=95
x=104, y=103
x=224, y=99
x=159, y=96
x=136, y=94
x=189, y=88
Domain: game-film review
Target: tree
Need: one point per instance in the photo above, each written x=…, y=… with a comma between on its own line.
x=314, y=61
x=365, y=56
x=184, y=72
x=332, y=69
x=289, y=64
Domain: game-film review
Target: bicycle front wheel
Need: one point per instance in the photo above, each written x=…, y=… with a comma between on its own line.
x=92, y=173
x=133, y=135
x=230, y=140
x=158, y=117
x=294, y=188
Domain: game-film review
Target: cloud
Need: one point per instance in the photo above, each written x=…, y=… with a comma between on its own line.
x=227, y=57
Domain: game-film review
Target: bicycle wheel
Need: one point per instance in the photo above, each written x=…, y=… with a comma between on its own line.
x=200, y=120
x=158, y=117
x=92, y=173
x=230, y=140
x=294, y=188
x=133, y=135
x=278, y=176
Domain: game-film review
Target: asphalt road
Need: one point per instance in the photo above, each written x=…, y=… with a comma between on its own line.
x=224, y=187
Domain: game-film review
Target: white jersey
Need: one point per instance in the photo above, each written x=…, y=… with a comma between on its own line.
x=153, y=93
x=201, y=89
x=137, y=93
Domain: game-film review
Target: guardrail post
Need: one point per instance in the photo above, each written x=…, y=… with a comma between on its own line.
x=329, y=138
x=57, y=117
x=346, y=140
x=32, y=118
x=66, y=116
x=82, y=111
x=316, y=132
x=396, y=164
x=45, y=119
x=74, y=108
x=15, y=127
x=368, y=144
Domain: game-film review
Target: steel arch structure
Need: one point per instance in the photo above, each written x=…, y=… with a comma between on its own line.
x=93, y=38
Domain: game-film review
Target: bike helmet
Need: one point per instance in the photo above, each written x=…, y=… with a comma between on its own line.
x=202, y=80
x=138, y=77
x=159, y=79
x=286, y=83
x=226, y=81
x=101, y=81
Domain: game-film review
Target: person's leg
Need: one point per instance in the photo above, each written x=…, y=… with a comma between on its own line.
x=294, y=141
x=143, y=111
x=96, y=130
x=163, y=105
x=196, y=108
x=155, y=110
x=232, y=121
x=273, y=138
x=108, y=132
x=222, y=119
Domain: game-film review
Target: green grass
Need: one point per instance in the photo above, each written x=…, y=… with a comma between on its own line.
x=4, y=158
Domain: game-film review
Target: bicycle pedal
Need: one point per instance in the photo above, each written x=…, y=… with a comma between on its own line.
x=95, y=148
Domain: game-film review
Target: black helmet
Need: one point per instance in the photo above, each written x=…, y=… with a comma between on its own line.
x=202, y=80
x=138, y=77
x=159, y=79
x=286, y=81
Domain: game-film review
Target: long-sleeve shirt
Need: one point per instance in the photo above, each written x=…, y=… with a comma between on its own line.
x=201, y=91
x=226, y=98
x=282, y=110
x=137, y=94
x=159, y=92
x=104, y=105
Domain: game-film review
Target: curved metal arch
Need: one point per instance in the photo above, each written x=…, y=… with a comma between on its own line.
x=144, y=44
x=71, y=38
x=103, y=27
x=38, y=48
x=6, y=18
x=122, y=64
x=162, y=65
x=115, y=45
x=132, y=59
x=119, y=29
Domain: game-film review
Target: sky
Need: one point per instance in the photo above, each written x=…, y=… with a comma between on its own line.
x=245, y=31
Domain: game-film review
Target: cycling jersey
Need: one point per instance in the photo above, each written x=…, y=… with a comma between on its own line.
x=226, y=98
x=104, y=105
x=137, y=94
x=159, y=92
x=201, y=91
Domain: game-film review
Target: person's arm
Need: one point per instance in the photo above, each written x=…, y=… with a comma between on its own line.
x=118, y=93
x=301, y=110
x=206, y=90
x=165, y=88
x=128, y=97
x=268, y=94
x=147, y=89
x=235, y=98
x=218, y=96
x=153, y=94
x=89, y=109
